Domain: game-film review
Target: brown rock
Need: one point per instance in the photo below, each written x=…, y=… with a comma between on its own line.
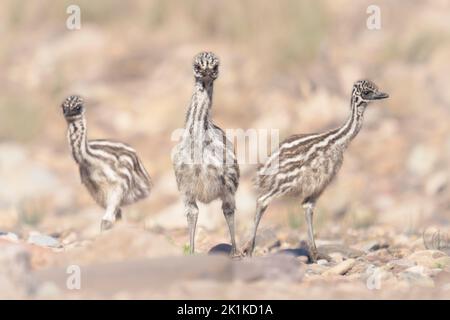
x=429, y=258
x=341, y=268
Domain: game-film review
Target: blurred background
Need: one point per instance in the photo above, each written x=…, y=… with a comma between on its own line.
x=286, y=65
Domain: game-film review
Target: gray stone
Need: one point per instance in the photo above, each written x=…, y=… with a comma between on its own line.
x=295, y=252
x=374, y=245
x=322, y=262
x=43, y=240
x=9, y=236
x=221, y=248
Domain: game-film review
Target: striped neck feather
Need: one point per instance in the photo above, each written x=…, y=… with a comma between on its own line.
x=197, y=118
x=354, y=123
x=77, y=137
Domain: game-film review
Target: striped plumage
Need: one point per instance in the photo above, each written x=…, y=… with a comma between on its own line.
x=111, y=171
x=305, y=164
x=204, y=160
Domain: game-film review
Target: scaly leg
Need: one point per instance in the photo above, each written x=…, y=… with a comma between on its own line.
x=309, y=212
x=191, y=211
x=228, y=208
x=260, y=209
x=112, y=208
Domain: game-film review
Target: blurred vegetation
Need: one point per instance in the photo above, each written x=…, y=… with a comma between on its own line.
x=20, y=119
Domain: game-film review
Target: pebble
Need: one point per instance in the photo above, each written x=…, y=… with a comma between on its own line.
x=322, y=262
x=341, y=268
x=296, y=252
x=430, y=258
x=43, y=240
x=374, y=246
x=221, y=248
x=9, y=236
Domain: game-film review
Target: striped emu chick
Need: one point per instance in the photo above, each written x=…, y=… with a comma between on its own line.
x=204, y=161
x=305, y=164
x=111, y=171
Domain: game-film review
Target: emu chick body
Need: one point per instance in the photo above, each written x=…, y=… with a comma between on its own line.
x=111, y=171
x=305, y=164
x=204, y=162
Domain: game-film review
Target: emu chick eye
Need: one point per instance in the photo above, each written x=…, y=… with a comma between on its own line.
x=366, y=92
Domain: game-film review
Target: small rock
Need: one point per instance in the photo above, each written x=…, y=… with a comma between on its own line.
x=403, y=262
x=322, y=262
x=374, y=245
x=420, y=270
x=377, y=276
x=428, y=258
x=9, y=236
x=315, y=269
x=398, y=265
x=382, y=255
x=296, y=252
x=274, y=245
x=43, y=240
x=221, y=248
x=359, y=268
x=341, y=268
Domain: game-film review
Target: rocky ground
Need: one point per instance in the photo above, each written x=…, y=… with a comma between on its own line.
x=385, y=220
x=132, y=262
